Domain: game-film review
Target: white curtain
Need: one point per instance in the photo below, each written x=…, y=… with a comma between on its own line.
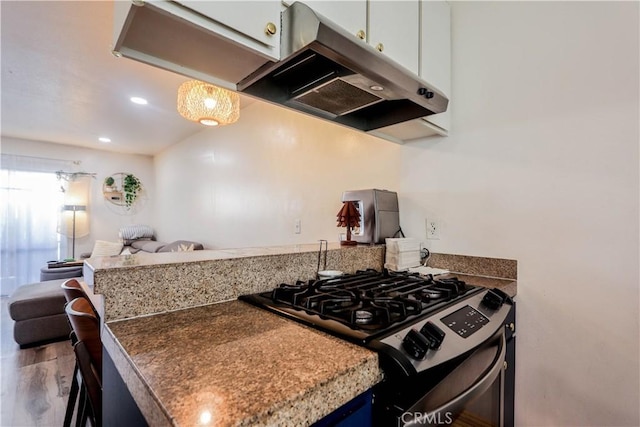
x=30, y=203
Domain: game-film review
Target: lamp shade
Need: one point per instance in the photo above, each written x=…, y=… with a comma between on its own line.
x=76, y=200
x=208, y=104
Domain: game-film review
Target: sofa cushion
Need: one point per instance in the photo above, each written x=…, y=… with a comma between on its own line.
x=47, y=328
x=181, y=246
x=47, y=273
x=37, y=300
x=131, y=233
x=148, y=245
x=104, y=248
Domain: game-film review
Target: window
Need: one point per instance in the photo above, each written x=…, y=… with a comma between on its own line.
x=29, y=206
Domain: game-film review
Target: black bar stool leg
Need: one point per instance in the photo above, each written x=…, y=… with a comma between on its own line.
x=73, y=396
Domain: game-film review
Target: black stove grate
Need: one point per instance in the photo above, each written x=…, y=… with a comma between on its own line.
x=368, y=300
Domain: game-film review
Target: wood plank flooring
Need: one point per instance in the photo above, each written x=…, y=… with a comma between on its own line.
x=35, y=382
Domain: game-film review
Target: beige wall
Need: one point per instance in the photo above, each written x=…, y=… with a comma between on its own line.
x=105, y=219
x=245, y=184
x=542, y=166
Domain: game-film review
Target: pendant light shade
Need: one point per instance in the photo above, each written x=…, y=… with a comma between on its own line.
x=208, y=104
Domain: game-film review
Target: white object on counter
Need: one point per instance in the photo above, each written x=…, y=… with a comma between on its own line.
x=329, y=274
x=405, y=244
x=402, y=253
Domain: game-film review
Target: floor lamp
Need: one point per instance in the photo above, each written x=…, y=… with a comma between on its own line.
x=74, y=209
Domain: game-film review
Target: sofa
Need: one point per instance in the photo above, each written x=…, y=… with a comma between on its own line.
x=38, y=308
x=38, y=312
x=47, y=273
x=153, y=246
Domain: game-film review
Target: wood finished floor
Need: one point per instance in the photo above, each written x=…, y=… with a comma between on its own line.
x=35, y=382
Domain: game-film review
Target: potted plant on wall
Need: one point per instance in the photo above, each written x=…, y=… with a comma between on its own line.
x=131, y=187
x=108, y=184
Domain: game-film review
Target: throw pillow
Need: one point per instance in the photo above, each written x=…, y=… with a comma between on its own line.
x=130, y=233
x=104, y=248
x=181, y=246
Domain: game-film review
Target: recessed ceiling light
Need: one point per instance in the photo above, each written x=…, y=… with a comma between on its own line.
x=376, y=88
x=104, y=139
x=138, y=100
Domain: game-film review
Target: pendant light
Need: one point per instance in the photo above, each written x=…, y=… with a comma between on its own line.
x=208, y=104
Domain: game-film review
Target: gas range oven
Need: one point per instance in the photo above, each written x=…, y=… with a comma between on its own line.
x=443, y=344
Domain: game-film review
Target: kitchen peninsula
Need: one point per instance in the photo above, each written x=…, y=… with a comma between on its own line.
x=226, y=363
x=188, y=361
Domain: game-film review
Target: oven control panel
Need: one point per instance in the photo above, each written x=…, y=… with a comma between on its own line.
x=457, y=329
x=466, y=321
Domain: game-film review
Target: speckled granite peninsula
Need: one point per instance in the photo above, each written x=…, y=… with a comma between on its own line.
x=195, y=365
x=172, y=332
x=145, y=283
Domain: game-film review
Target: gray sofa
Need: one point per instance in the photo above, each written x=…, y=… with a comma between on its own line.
x=153, y=246
x=38, y=311
x=38, y=308
x=47, y=273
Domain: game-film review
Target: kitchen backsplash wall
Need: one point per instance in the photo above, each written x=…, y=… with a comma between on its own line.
x=245, y=184
x=105, y=219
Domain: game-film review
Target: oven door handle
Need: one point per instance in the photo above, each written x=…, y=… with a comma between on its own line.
x=477, y=388
x=487, y=363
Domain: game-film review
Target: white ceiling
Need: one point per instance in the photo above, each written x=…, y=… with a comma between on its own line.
x=60, y=82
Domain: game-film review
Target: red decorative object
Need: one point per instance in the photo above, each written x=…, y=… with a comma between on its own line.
x=348, y=217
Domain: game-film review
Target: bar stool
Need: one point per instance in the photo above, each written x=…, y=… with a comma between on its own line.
x=88, y=351
x=72, y=290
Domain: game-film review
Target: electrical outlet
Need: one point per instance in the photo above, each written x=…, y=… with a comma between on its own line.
x=297, y=227
x=433, y=229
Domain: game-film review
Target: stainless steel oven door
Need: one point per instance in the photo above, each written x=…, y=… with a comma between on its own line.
x=472, y=394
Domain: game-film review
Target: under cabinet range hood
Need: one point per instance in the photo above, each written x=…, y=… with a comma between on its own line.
x=329, y=73
x=320, y=69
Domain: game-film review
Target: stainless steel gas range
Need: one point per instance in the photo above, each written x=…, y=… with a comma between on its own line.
x=446, y=348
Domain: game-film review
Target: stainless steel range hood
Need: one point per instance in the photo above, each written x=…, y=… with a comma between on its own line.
x=324, y=71
x=329, y=73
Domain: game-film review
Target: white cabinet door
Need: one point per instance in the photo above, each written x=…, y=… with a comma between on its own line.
x=435, y=66
x=394, y=28
x=350, y=15
x=245, y=22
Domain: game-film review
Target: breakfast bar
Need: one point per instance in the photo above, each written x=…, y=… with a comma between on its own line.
x=219, y=361
x=232, y=364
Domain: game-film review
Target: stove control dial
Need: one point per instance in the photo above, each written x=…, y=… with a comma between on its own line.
x=415, y=344
x=433, y=334
x=494, y=298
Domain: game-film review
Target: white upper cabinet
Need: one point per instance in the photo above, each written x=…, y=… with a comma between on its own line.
x=392, y=27
x=435, y=58
x=254, y=24
x=394, y=31
x=350, y=15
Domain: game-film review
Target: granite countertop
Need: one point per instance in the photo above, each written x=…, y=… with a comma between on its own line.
x=233, y=364
x=229, y=363
x=146, y=259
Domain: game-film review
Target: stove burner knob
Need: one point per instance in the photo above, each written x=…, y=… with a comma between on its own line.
x=494, y=298
x=433, y=334
x=415, y=344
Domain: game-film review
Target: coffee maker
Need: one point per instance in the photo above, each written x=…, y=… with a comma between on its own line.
x=379, y=215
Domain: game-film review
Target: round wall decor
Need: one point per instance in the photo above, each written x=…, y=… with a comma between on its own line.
x=122, y=189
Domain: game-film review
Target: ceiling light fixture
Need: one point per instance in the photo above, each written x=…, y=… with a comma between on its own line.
x=138, y=100
x=104, y=139
x=208, y=104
